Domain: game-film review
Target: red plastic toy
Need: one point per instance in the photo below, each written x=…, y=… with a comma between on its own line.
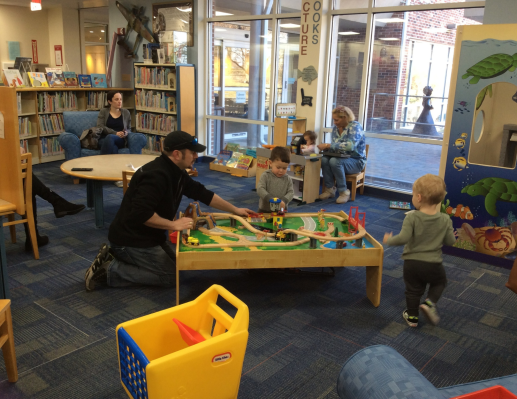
x=189, y=335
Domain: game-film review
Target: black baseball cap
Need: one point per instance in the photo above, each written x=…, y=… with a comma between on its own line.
x=179, y=140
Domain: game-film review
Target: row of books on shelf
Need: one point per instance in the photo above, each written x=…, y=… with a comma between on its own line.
x=51, y=124
x=155, y=123
x=25, y=145
x=157, y=100
x=159, y=77
x=50, y=147
x=97, y=99
x=25, y=126
x=57, y=102
x=54, y=77
x=234, y=159
x=154, y=144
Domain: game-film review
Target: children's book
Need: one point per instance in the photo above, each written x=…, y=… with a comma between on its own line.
x=55, y=77
x=38, y=79
x=232, y=147
x=244, y=162
x=223, y=157
x=99, y=80
x=234, y=160
x=70, y=79
x=400, y=205
x=171, y=102
x=172, y=81
x=12, y=78
x=85, y=81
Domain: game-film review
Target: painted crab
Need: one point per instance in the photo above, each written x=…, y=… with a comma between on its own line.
x=494, y=240
x=491, y=66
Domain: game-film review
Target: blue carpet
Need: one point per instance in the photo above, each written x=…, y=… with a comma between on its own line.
x=302, y=328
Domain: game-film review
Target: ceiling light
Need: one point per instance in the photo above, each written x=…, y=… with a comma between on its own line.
x=289, y=26
x=91, y=31
x=102, y=30
x=185, y=10
x=389, y=39
x=348, y=33
x=389, y=20
x=35, y=5
x=220, y=30
x=182, y=20
x=221, y=14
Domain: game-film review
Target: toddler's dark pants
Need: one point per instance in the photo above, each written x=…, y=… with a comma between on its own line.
x=417, y=275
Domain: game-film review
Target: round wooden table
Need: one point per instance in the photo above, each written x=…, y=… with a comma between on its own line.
x=105, y=168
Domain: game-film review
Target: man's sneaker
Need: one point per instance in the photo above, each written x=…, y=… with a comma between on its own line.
x=99, y=276
x=327, y=193
x=429, y=310
x=343, y=197
x=412, y=321
x=104, y=255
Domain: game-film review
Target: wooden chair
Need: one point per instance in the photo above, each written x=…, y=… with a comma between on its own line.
x=9, y=209
x=357, y=179
x=7, y=340
x=126, y=177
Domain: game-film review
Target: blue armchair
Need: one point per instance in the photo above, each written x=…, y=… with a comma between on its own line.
x=78, y=121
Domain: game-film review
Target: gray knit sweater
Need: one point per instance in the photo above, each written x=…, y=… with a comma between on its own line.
x=270, y=187
x=424, y=235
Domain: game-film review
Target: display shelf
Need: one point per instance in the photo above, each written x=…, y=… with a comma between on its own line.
x=27, y=114
x=159, y=88
x=52, y=158
x=155, y=111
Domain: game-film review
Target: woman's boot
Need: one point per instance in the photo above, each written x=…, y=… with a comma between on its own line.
x=61, y=206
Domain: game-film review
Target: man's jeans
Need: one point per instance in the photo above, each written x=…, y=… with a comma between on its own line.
x=336, y=168
x=142, y=266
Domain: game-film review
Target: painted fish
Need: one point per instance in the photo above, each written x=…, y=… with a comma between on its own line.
x=464, y=135
x=462, y=212
x=459, y=163
x=459, y=143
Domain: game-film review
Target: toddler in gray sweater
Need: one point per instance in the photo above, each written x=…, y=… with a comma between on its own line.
x=275, y=182
x=423, y=233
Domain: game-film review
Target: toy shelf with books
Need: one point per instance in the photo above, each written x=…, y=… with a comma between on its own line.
x=286, y=128
x=39, y=114
x=164, y=101
x=236, y=161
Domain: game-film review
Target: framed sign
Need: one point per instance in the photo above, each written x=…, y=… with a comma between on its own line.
x=58, y=52
x=173, y=17
x=286, y=109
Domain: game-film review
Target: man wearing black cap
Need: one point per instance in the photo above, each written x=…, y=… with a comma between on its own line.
x=140, y=252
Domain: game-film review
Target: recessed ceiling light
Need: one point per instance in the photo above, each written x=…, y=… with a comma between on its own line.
x=389, y=20
x=389, y=39
x=221, y=14
x=91, y=31
x=220, y=30
x=348, y=33
x=289, y=26
x=102, y=30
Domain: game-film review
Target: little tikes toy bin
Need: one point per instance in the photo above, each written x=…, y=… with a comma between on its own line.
x=155, y=362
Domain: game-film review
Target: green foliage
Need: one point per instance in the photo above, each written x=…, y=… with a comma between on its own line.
x=464, y=244
x=444, y=206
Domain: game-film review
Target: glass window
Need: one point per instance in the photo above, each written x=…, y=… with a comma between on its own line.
x=389, y=3
x=95, y=59
x=410, y=71
x=241, y=67
x=245, y=134
x=348, y=54
x=349, y=4
x=287, y=6
x=96, y=54
x=95, y=33
x=221, y=8
x=288, y=52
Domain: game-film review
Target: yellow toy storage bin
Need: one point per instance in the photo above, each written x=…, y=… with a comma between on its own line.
x=155, y=361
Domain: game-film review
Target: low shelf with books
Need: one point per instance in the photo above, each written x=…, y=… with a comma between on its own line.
x=236, y=161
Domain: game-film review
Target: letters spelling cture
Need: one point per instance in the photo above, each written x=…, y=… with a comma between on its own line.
x=316, y=17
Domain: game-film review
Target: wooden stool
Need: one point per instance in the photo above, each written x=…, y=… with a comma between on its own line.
x=357, y=179
x=7, y=340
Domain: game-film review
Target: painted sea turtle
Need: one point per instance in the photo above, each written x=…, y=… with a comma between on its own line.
x=494, y=189
x=491, y=66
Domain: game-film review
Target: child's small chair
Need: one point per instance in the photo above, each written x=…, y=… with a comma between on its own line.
x=7, y=340
x=357, y=179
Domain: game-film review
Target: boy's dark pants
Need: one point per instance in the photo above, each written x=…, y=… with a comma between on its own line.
x=417, y=275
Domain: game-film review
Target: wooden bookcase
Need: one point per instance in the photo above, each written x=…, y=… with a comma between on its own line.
x=286, y=128
x=25, y=102
x=180, y=84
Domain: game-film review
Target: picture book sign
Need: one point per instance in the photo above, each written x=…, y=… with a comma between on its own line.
x=58, y=52
x=286, y=109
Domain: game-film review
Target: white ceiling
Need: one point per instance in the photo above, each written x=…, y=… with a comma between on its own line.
x=56, y=3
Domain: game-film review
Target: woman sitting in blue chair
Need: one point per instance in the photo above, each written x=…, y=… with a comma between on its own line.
x=116, y=124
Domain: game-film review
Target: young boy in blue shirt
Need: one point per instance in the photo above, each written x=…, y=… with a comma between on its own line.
x=424, y=232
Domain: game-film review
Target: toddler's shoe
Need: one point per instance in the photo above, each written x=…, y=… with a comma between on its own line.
x=412, y=321
x=327, y=193
x=429, y=310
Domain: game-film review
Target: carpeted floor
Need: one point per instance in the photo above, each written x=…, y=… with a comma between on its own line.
x=302, y=328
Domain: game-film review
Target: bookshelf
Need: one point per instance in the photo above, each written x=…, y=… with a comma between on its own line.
x=40, y=114
x=164, y=100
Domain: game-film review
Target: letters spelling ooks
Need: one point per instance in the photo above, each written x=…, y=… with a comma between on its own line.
x=307, y=24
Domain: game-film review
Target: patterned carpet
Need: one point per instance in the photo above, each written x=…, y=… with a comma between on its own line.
x=302, y=328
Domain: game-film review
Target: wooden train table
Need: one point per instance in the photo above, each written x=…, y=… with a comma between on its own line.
x=225, y=241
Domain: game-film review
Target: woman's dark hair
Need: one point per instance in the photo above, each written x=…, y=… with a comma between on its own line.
x=110, y=95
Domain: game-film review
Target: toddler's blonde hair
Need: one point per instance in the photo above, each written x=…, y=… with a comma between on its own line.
x=431, y=188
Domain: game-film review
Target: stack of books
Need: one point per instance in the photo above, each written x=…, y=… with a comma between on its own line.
x=50, y=146
x=51, y=124
x=155, y=123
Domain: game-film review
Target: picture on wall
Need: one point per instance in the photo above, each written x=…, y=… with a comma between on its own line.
x=173, y=17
